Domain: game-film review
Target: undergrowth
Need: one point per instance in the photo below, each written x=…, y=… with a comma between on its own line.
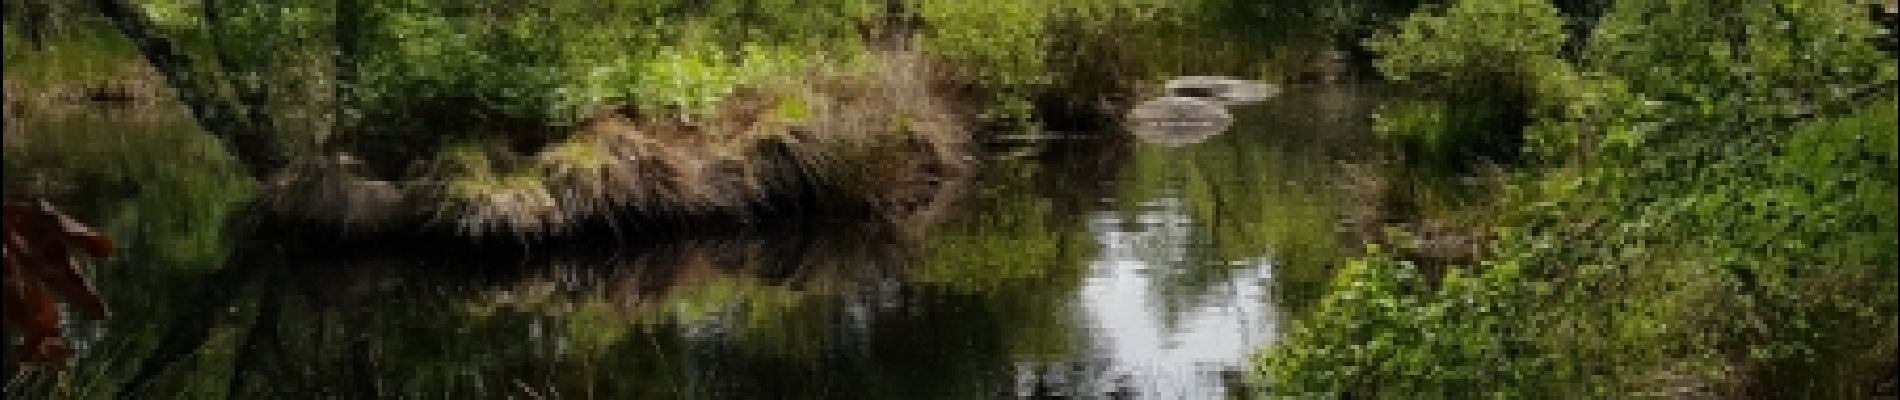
x=1711, y=217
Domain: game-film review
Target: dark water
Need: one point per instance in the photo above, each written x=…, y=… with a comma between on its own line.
x=1089, y=268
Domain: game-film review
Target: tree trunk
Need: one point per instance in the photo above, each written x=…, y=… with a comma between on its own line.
x=37, y=15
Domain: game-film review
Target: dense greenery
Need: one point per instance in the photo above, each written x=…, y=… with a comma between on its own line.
x=179, y=199
x=556, y=62
x=1711, y=210
x=1673, y=196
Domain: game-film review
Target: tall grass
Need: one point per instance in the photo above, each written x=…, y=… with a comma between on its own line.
x=840, y=138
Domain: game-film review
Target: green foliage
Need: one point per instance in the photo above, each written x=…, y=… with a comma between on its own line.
x=1785, y=280
x=1014, y=52
x=1483, y=67
x=1438, y=132
x=1716, y=215
x=420, y=60
x=555, y=63
x=1002, y=40
x=687, y=80
x=1473, y=46
x=1743, y=62
x=1413, y=335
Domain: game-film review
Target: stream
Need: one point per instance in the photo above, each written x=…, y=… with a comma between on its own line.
x=1090, y=266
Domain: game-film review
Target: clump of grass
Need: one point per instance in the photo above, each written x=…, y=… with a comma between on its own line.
x=841, y=136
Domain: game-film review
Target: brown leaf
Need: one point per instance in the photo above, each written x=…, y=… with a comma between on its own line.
x=75, y=233
x=56, y=267
x=32, y=311
x=40, y=273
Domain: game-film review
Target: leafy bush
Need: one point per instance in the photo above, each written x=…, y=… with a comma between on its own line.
x=1471, y=46
x=1717, y=217
x=557, y=62
x=1013, y=53
x=1627, y=280
x=1738, y=63
x=1489, y=58
x=1389, y=329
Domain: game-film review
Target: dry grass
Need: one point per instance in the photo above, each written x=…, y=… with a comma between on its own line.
x=872, y=138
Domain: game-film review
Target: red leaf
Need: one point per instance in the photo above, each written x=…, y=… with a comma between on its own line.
x=40, y=273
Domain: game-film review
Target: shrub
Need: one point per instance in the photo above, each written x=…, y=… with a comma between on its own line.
x=1718, y=219
x=1490, y=58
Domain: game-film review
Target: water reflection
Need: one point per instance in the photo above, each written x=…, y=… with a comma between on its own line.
x=1157, y=352
x=1100, y=269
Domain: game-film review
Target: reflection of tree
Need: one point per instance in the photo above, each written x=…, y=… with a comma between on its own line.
x=770, y=314
x=1266, y=189
x=1077, y=174
x=820, y=311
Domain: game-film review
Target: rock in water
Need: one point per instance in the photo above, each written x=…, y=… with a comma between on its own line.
x=1178, y=121
x=1220, y=89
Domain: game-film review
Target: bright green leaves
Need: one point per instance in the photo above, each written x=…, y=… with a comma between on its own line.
x=999, y=44
x=1392, y=330
x=1716, y=211
x=1867, y=135
x=1014, y=51
x=1742, y=61
x=1454, y=48
x=1744, y=64
x=1492, y=66
x=558, y=62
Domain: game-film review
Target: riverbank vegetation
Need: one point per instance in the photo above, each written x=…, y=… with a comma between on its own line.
x=1699, y=202
x=1564, y=198
x=483, y=118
